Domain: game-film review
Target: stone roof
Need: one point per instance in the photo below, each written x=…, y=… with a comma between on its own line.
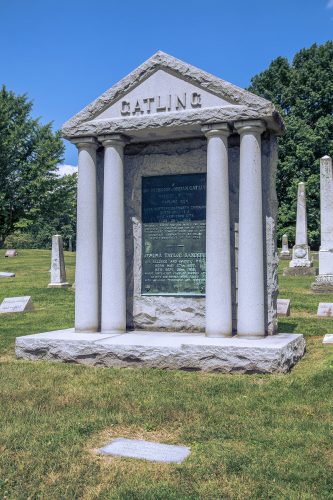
x=236, y=103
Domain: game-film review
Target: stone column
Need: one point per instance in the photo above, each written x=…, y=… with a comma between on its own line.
x=324, y=281
x=218, y=267
x=251, y=310
x=86, y=273
x=113, y=254
x=301, y=259
x=285, y=252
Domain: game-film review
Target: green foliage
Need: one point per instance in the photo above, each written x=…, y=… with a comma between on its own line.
x=303, y=93
x=29, y=154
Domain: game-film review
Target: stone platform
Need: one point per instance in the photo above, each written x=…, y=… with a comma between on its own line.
x=166, y=350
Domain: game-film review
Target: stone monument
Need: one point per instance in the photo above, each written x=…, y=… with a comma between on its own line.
x=301, y=263
x=58, y=270
x=285, y=252
x=324, y=280
x=171, y=161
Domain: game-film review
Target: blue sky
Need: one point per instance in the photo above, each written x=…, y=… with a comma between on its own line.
x=65, y=53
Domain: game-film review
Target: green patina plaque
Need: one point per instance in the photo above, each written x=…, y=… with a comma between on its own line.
x=174, y=235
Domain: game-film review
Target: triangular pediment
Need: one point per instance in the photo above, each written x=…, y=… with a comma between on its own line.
x=160, y=93
x=162, y=85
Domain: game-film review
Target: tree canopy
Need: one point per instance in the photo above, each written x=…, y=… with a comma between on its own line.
x=303, y=93
x=33, y=199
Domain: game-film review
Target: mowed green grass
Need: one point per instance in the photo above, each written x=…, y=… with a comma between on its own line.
x=251, y=436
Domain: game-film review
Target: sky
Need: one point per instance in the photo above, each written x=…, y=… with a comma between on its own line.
x=64, y=53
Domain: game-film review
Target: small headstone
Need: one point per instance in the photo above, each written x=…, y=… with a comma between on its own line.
x=283, y=307
x=328, y=339
x=58, y=270
x=7, y=275
x=325, y=309
x=146, y=450
x=16, y=304
x=11, y=252
x=285, y=252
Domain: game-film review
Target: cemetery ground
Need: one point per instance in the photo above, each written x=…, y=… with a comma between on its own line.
x=251, y=436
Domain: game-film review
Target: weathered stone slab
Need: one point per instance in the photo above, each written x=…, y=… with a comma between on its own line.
x=146, y=450
x=16, y=304
x=11, y=252
x=166, y=350
x=328, y=339
x=283, y=307
x=285, y=252
x=58, y=270
x=7, y=275
x=300, y=271
x=325, y=309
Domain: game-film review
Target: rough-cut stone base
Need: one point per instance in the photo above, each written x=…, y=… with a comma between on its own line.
x=272, y=354
x=328, y=338
x=323, y=284
x=300, y=271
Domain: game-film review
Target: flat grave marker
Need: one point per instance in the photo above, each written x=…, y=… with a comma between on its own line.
x=328, y=339
x=7, y=275
x=145, y=450
x=325, y=309
x=11, y=252
x=283, y=307
x=16, y=304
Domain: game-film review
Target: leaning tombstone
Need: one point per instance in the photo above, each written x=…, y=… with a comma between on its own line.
x=16, y=304
x=285, y=252
x=301, y=263
x=324, y=280
x=11, y=252
x=171, y=160
x=58, y=270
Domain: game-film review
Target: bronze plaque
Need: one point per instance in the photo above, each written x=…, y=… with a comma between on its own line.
x=174, y=235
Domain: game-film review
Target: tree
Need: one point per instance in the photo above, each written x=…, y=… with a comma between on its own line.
x=303, y=94
x=29, y=154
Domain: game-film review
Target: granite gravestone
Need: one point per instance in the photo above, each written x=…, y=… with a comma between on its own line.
x=301, y=263
x=58, y=270
x=146, y=450
x=324, y=280
x=16, y=305
x=283, y=307
x=11, y=252
x=285, y=252
x=7, y=275
x=325, y=309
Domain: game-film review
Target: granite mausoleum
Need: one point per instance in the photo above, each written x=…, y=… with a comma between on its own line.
x=176, y=225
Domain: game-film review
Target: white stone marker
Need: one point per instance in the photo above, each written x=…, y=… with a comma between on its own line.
x=285, y=252
x=328, y=339
x=301, y=261
x=324, y=281
x=16, y=304
x=325, y=309
x=146, y=450
x=7, y=275
x=11, y=252
x=283, y=307
x=58, y=270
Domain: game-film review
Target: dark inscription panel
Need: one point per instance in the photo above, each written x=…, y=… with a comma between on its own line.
x=174, y=234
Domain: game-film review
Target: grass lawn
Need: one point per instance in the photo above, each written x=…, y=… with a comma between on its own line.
x=251, y=436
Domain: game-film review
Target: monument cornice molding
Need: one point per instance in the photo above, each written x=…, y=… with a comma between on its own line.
x=199, y=117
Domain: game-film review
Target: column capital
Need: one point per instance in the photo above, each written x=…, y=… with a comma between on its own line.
x=250, y=127
x=216, y=130
x=113, y=140
x=85, y=142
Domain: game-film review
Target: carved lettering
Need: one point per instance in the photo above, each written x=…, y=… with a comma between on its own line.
x=161, y=104
x=125, y=108
x=181, y=104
